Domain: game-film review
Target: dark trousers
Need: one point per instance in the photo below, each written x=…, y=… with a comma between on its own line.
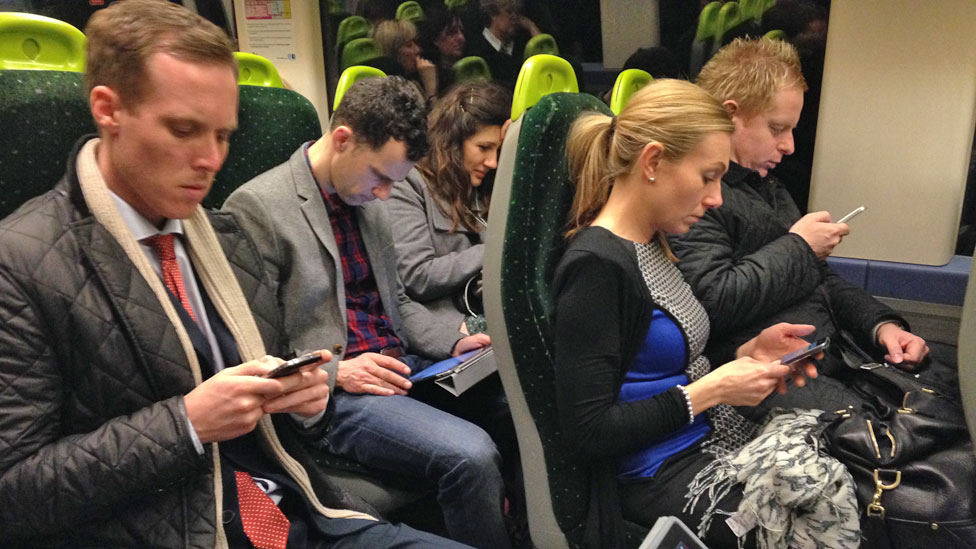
x=644, y=500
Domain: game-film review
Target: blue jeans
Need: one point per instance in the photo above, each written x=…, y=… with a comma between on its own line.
x=402, y=435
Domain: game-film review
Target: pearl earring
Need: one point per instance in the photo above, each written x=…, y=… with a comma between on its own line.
x=651, y=179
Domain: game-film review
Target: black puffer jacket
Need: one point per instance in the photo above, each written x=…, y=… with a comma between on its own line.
x=94, y=447
x=750, y=272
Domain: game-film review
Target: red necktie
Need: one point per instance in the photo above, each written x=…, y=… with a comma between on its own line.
x=162, y=244
x=265, y=525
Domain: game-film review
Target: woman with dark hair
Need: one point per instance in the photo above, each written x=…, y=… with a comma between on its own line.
x=442, y=40
x=440, y=209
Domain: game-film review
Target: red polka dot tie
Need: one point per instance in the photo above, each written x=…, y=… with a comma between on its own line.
x=162, y=244
x=265, y=525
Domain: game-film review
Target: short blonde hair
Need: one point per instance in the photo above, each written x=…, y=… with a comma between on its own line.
x=391, y=35
x=675, y=113
x=122, y=37
x=751, y=72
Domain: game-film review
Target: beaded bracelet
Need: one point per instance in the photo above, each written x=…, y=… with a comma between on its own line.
x=691, y=410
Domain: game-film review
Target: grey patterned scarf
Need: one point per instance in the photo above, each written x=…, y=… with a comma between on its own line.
x=792, y=493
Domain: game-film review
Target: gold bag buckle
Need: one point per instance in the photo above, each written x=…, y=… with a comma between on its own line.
x=875, y=509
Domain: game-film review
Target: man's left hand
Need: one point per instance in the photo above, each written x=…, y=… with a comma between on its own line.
x=904, y=349
x=470, y=343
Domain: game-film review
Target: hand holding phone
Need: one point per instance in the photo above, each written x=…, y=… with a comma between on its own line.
x=810, y=350
x=294, y=365
x=851, y=215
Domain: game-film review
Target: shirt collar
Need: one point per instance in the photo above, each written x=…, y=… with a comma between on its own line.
x=327, y=189
x=140, y=227
x=496, y=42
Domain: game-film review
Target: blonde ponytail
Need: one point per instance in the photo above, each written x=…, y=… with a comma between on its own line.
x=587, y=147
x=675, y=113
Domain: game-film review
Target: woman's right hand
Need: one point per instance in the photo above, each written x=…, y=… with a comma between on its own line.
x=742, y=382
x=427, y=72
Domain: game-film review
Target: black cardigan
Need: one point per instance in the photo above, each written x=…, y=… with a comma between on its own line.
x=602, y=311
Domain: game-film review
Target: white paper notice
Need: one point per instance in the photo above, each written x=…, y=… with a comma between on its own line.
x=271, y=29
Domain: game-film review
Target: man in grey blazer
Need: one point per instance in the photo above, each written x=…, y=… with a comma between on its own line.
x=328, y=246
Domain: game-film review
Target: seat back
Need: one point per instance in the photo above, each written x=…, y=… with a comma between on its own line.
x=701, y=46
x=628, y=82
x=336, y=9
x=271, y=124
x=42, y=114
x=351, y=28
x=728, y=17
x=539, y=44
x=967, y=353
x=530, y=201
x=471, y=69
x=43, y=106
x=776, y=34
x=456, y=4
x=359, y=51
x=254, y=70
x=349, y=77
x=410, y=11
x=541, y=75
x=35, y=42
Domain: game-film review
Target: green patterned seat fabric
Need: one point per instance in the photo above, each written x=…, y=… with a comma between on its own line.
x=42, y=114
x=541, y=195
x=271, y=124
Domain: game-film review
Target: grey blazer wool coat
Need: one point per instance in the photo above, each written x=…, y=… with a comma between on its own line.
x=433, y=262
x=284, y=212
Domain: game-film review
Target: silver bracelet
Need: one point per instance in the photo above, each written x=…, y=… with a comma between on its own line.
x=691, y=410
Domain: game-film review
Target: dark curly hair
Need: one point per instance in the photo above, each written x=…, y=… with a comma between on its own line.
x=463, y=110
x=378, y=109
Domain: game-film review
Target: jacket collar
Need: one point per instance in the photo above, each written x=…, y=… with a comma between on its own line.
x=737, y=174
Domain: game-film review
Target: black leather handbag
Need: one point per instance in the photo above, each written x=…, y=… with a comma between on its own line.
x=907, y=447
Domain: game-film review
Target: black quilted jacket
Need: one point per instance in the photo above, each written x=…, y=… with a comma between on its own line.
x=94, y=449
x=750, y=272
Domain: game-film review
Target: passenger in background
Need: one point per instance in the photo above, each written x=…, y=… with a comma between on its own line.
x=327, y=245
x=376, y=11
x=657, y=61
x=398, y=40
x=502, y=41
x=636, y=398
x=755, y=261
x=442, y=40
x=135, y=410
x=441, y=209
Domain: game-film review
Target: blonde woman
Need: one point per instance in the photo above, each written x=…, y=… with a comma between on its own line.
x=398, y=40
x=636, y=398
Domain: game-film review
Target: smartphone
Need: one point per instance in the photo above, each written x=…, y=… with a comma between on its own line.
x=806, y=352
x=849, y=216
x=293, y=365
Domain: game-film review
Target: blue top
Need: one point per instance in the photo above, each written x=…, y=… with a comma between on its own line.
x=658, y=366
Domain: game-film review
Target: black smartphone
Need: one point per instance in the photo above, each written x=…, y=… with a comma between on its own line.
x=293, y=365
x=806, y=352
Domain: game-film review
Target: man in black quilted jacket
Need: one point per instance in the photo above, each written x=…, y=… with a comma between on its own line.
x=135, y=328
x=755, y=261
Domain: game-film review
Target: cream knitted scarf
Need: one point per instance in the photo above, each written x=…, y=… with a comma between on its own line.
x=210, y=264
